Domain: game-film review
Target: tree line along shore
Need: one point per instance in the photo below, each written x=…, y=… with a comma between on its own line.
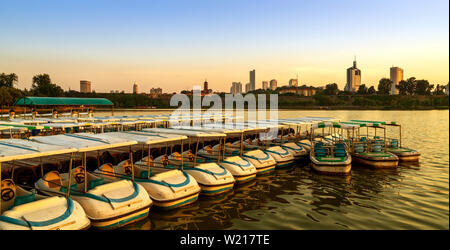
x=413, y=94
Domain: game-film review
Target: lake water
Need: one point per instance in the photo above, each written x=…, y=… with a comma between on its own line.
x=414, y=196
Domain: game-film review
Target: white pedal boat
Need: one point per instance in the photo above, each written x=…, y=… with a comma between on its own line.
x=212, y=178
x=169, y=189
x=108, y=206
x=25, y=210
x=21, y=209
x=282, y=156
x=241, y=169
x=263, y=162
x=297, y=150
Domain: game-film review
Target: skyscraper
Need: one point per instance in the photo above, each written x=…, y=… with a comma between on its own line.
x=293, y=82
x=353, y=78
x=396, y=77
x=265, y=85
x=247, y=87
x=273, y=84
x=236, y=88
x=252, y=80
x=135, y=88
x=85, y=86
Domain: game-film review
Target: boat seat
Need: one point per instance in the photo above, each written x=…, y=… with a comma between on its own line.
x=107, y=169
x=8, y=194
x=339, y=152
x=52, y=180
x=339, y=145
x=320, y=154
x=125, y=168
x=377, y=148
x=359, y=149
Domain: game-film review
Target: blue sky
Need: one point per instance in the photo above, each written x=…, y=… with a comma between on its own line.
x=176, y=44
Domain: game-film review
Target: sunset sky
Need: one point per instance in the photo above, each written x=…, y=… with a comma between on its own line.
x=177, y=44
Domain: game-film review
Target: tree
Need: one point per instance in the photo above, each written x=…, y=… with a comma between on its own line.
x=43, y=86
x=439, y=90
x=8, y=80
x=384, y=86
x=403, y=87
x=411, y=87
x=331, y=89
x=362, y=90
x=423, y=87
x=371, y=90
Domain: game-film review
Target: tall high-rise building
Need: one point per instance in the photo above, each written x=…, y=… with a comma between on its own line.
x=248, y=87
x=85, y=86
x=252, y=80
x=273, y=84
x=135, y=88
x=293, y=82
x=236, y=88
x=265, y=85
x=396, y=77
x=353, y=78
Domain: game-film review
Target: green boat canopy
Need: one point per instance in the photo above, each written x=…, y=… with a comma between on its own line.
x=31, y=100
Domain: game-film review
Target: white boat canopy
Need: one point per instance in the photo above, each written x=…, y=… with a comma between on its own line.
x=85, y=142
x=146, y=138
x=187, y=132
x=19, y=149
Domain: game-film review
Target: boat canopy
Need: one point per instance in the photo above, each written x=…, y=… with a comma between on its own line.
x=85, y=142
x=342, y=125
x=187, y=132
x=19, y=149
x=58, y=101
x=372, y=123
x=213, y=127
x=146, y=138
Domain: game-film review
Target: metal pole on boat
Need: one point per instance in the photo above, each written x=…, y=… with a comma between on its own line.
x=196, y=150
x=148, y=162
x=132, y=164
x=384, y=139
x=85, y=171
x=70, y=176
x=181, y=154
x=242, y=143
x=400, y=135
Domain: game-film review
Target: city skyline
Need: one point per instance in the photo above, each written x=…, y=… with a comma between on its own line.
x=177, y=44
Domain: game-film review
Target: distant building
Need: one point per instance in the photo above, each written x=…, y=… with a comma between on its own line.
x=265, y=85
x=111, y=91
x=206, y=90
x=85, y=86
x=236, y=88
x=396, y=77
x=353, y=78
x=247, y=88
x=252, y=80
x=273, y=84
x=135, y=88
x=293, y=83
x=304, y=91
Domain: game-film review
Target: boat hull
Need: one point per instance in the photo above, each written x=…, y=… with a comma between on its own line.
x=216, y=189
x=390, y=161
x=120, y=221
x=332, y=167
x=406, y=155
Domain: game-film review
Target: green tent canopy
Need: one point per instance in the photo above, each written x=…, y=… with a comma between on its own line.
x=50, y=101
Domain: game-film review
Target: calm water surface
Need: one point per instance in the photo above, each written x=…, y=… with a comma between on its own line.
x=414, y=196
